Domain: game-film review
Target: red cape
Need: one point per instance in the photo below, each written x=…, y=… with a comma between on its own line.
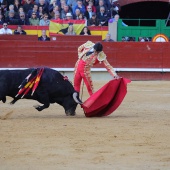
x=107, y=99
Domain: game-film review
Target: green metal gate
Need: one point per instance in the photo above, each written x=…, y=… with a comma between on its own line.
x=159, y=27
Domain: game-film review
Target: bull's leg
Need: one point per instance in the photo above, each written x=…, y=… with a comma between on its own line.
x=43, y=98
x=2, y=97
x=13, y=101
x=40, y=108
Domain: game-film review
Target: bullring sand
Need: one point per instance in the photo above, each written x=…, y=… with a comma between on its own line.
x=134, y=137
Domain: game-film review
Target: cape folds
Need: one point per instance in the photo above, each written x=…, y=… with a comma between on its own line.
x=107, y=99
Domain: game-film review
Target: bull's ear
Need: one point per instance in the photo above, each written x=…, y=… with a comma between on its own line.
x=76, y=98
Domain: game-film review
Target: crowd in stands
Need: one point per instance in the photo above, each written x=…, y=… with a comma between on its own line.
x=19, y=31
x=40, y=12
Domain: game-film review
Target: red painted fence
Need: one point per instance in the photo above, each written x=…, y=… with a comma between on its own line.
x=134, y=60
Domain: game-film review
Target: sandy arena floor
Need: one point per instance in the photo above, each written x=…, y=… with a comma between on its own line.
x=135, y=137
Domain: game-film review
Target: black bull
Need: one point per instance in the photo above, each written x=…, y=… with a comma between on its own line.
x=52, y=88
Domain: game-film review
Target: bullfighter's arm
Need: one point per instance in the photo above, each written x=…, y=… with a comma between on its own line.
x=110, y=69
x=102, y=58
x=84, y=48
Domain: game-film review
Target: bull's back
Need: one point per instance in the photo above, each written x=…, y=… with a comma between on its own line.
x=51, y=81
x=10, y=81
x=55, y=82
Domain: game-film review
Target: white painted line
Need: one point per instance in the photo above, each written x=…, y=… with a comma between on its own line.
x=104, y=70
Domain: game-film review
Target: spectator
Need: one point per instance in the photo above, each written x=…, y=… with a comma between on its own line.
x=81, y=16
x=108, y=38
x=116, y=6
x=72, y=4
x=44, y=6
x=56, y=16
x=16, y=5
x=62, y=4
x=86, y=3
x=113, y=10
x=43, y=37
x=127, y=39
x=69, y=16
x=47, y=2
x=88, y=13
x=131, y=39
x=23, y=20
x=92, y=6
x=5, y=29
x=101, y=4
x=70, y=30
x=64, y=11
x=52, y=5
x=103, y=17
x=20, y=10
x=145, y=39
x=107, y=3
x=79, y=6
x=1, y=10
x=11, y=18
x=45, y=21
x=34, y=20
x=115, y=19
x=85, y=31
x=27, y=6
x=40, y=12
x=11, y=8
x=55, y=9
x=23, y=2
x=76, y=15
x=8, y=3
x=1, y=19
x=124, y=39
x=94, y=21
x=19, y=31
x=34, y=9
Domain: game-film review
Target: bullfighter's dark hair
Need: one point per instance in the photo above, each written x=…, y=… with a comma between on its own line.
x=98, y=47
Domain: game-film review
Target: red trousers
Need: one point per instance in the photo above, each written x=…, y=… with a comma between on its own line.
x=82, y=71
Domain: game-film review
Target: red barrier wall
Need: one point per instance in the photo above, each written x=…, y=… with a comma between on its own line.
x=135, y=60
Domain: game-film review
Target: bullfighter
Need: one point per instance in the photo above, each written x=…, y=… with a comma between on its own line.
x=90, y=54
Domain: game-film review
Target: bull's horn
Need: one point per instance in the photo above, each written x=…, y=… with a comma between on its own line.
x=76, y=98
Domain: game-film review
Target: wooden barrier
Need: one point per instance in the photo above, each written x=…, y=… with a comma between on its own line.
x=71, y=38
x=135, y=60
x=19, y=37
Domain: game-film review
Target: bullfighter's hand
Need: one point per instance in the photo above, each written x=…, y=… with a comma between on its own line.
x=116, y=77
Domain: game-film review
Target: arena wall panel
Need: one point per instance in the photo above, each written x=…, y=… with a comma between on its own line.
x=135, y=60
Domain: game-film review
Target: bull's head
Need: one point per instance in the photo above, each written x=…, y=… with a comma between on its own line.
x=71, y=111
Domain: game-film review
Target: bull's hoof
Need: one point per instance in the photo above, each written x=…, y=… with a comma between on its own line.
x=38, y=107
x=12, y=102
x=4, y=100
x=70, y=114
